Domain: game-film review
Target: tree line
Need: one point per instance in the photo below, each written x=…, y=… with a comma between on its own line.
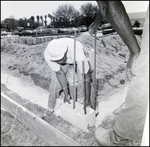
x=64, y=16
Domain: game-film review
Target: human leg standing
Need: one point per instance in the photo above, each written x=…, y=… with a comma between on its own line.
x=130, y=122
x=138, y=94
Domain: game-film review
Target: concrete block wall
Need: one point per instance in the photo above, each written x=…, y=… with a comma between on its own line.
x=34, y=40
x=9, y=39
x=25, y=40
x=29, y=40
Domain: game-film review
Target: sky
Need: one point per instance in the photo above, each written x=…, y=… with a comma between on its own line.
x=21, y=9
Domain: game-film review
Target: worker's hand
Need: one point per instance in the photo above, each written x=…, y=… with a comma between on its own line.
x=93, y=28
x=67, y=99
x=129, y=74
x=130, y=66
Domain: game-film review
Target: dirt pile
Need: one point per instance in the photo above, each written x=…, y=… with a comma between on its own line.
x=112, y=55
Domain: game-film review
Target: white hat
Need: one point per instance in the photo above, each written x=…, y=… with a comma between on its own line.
x=56, y=49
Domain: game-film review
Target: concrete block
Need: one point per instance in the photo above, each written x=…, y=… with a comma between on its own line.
x=45, y=39
x=33, y=41
x=23, y=40
x=38, y=41
x=27, y=41
x=42, y=39
x=30, y=41
x=77, y=117
x=51, y=38
x=48, y=38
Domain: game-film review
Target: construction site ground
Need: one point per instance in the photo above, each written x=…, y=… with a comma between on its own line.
x=25, y=78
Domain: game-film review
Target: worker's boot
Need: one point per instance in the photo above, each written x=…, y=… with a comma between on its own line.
x=110, y=138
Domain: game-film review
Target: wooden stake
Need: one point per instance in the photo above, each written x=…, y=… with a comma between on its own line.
x=84, y=90
x=95, y=71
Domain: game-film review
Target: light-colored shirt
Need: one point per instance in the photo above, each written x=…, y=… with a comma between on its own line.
x=80, y=56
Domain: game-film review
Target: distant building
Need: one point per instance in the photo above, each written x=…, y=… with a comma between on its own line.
x=137, y=18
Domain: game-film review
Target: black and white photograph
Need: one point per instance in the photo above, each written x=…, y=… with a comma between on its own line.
x=74, y=73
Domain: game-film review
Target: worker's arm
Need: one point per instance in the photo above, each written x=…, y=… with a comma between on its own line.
x=61, y=76
x=97, y=22
x=115, y=13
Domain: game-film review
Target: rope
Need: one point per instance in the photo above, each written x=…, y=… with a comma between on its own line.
x=15, y=118
x=87, y=80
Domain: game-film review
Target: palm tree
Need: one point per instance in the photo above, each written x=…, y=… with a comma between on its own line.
x=32, y=18
x=38, y=18
x=50, y=16
x=45, y=16
x=45, y=20
x=41, y=19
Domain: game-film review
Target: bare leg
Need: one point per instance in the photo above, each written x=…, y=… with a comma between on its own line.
x=130, y=121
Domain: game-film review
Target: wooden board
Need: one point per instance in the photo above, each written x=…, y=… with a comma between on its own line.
x=40, y=127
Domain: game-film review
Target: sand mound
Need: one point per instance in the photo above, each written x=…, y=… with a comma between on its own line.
x=111, y=58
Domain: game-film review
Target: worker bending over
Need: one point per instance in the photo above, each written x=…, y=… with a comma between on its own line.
x=59, y=55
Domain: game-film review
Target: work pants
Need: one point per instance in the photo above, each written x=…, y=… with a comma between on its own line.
x=130, y=121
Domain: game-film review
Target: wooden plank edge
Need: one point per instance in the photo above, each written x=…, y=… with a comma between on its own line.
x=40, y=127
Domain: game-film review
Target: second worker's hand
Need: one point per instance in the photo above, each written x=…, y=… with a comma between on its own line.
x=92, y=29
x=130, y=66
x=129, y=74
